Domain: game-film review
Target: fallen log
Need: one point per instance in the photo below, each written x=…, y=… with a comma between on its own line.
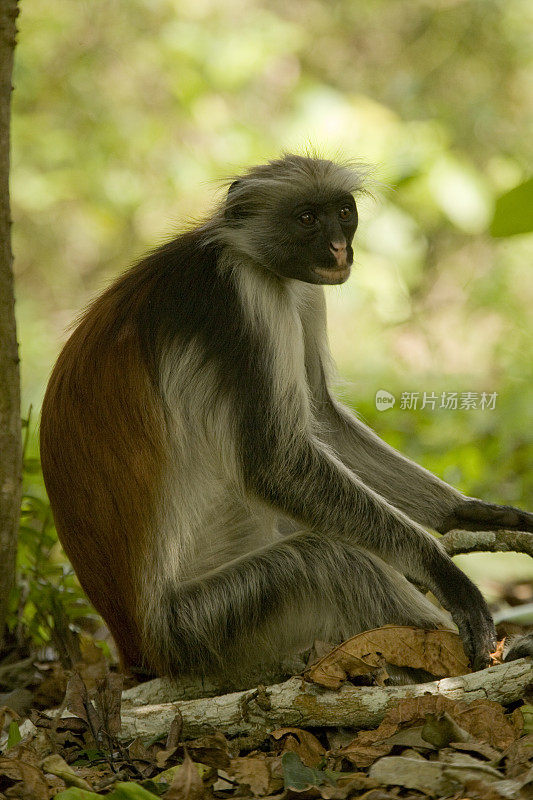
x=254, y=713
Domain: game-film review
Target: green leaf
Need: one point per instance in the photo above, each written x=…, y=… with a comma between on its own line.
x=121, y=791
x=299, y=777
x=527, y=713
x=130, y=791
x=514, y=211
x=32, y=465
x=13, y=736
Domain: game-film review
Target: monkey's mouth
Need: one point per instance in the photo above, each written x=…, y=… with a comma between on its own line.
x=337, y=275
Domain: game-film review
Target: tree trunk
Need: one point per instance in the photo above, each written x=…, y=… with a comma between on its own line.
x=10, y=434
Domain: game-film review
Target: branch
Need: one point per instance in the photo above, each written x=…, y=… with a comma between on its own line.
x=306, y=705
x=458, y=542
x=252, y=714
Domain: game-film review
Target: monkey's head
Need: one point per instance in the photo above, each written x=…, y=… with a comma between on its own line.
x=295, y=217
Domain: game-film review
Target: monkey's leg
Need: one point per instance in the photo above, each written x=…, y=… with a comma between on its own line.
x=409, y=487
x=275, y=601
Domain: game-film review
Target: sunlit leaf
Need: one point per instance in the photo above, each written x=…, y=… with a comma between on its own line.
x=513, y=213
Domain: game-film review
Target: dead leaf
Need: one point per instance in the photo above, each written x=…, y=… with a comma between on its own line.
x=497, y=656
x=439, y=652
x=443, y=777
x=59, y=767
x=251, y=772
x=187, y=783
x=499, y=790
x=108, y=699
x=175, y=731
x=302, y=742
x=138, y=752
x=26, y=780
x=486, y=720
x=78, y=702
x=365, y=749
x=410, y=737
x=162, y=756
x=518, y=755
x=483, y=720
x=211, y=750
x=425, y=776
x=480, y=748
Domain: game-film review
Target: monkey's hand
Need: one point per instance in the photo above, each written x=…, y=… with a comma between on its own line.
x=475, y=515
x=469, y=611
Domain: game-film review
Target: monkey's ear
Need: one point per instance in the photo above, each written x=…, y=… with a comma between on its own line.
x=235, y=206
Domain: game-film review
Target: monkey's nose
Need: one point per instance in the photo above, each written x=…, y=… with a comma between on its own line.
x=338, y=249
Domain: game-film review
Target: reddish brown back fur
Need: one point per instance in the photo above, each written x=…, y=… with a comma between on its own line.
x=102, y=455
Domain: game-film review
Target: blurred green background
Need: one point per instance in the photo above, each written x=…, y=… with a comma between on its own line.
x=126, y=113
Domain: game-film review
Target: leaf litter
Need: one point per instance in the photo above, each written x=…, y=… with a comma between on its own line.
x=427, y=746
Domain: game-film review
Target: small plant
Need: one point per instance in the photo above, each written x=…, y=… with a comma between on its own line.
x=47, y=601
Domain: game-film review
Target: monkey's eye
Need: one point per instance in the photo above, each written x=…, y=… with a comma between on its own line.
x=307, y=218
x=345, y=212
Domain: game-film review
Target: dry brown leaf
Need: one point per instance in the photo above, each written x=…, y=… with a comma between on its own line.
x=187, y=783
x=497, y=656
x=26, y=781
x=138, y=752
x=56, y=765
x=484, y=720
x=175, y=731
x=518, y=755
x=78, y=702
x=162, y=756
x=252, y=772
x=479, y=748
x=211, y=750
x=439, y=652
x=108, y=700
x=307, y=746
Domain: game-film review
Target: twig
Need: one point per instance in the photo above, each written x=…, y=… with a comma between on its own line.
x=458, y=542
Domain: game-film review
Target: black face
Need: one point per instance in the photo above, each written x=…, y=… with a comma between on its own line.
x=316, y=243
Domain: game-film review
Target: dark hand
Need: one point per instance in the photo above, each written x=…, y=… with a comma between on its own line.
x=469, y=611
x=475, y=515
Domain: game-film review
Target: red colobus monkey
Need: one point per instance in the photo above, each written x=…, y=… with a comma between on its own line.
x=220, y=507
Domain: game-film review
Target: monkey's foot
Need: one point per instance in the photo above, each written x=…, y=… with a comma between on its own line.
x=476, y=515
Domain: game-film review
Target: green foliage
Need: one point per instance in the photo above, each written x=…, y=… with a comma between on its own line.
x=514, y=211
x=47, y=600
x=13, y=735
x=121, y=791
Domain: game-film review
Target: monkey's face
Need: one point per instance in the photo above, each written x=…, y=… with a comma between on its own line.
x=319, y=241
x=295, y=217
x=307, y=240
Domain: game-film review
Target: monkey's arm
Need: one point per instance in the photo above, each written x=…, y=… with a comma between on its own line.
x=411, y=488
x=302, y=478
